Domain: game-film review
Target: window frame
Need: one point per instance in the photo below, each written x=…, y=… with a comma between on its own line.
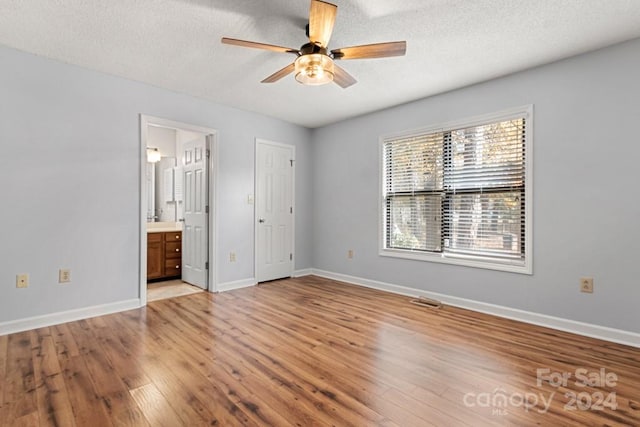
x=522, y=267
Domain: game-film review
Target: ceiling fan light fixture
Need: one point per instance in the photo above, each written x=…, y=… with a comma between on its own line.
x=314, y=69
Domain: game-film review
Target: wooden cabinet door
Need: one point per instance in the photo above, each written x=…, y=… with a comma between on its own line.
x=155, y=259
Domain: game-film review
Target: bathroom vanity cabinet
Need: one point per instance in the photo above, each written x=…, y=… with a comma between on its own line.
x=164, y=255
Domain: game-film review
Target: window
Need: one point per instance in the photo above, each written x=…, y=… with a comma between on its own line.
x=460, y=193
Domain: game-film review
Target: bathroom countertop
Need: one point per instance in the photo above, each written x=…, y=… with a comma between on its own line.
x=163, y=227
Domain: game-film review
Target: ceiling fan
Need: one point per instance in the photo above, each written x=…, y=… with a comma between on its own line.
x=314, y=64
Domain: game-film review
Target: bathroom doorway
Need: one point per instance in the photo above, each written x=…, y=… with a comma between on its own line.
x=177, y=207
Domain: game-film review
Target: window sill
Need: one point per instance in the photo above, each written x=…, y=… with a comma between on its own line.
x=475, y=262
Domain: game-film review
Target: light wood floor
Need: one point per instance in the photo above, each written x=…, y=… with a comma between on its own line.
x=306, y=352
x=169, y=289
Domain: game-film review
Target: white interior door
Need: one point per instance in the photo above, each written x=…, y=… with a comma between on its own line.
x=196, y=212
x=274, y=210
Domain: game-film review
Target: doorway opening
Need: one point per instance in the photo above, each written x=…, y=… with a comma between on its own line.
x=177, y=208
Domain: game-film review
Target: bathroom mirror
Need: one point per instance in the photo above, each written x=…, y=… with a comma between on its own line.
x=164, y=176
x=164, y=180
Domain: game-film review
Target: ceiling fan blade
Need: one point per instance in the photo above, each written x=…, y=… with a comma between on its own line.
x=322, y=17
x=377, y=50
x=342, y=78
x=279, y=74
x=257, y=45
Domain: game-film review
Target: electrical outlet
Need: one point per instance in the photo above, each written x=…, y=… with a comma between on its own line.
x=586, y=284
x=22, y=281
x=64, y=275
x=232, y=257
x=350, y=254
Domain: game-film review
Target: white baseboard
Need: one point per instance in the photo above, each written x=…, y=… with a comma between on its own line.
x=66, y=316
x=237, y=284
x=245, y=283
x=303, y=272
x=580, y=328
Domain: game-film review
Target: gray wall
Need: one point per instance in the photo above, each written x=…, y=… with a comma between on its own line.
x=70, y=182
x=586, y=209
x=70, y=175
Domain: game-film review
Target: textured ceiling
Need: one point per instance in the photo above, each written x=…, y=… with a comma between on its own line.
x=175, y=44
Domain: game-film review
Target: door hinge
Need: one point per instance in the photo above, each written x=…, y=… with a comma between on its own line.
x=206, y=265
x=291, y=161
x=290, y=257
x=291, y=209
x=206, y=209
x=208, y=153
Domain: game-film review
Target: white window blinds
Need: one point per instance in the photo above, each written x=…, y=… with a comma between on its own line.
x=414, y=184
x=458, y=192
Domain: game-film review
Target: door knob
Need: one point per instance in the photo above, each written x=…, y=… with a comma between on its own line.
x=261, y=220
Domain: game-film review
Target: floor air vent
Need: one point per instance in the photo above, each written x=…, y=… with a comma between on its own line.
x=426, y=302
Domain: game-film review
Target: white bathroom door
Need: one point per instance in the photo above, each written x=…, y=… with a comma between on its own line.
x=195, y=244
x=274, y=210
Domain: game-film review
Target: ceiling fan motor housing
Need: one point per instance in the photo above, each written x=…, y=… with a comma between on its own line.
x=313, y=65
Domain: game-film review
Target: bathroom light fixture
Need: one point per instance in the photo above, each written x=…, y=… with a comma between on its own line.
x=314, y=69
x=153, y=155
